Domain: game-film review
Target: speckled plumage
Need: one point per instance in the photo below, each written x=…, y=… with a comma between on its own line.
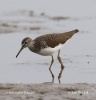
x=51, y=40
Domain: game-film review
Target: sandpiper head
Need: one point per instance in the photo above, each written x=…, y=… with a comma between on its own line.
x=26, y=42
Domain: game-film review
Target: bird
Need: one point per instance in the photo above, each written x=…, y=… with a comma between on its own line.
x=47, y=45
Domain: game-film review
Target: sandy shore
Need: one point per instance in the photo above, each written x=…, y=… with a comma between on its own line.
x=48, y=91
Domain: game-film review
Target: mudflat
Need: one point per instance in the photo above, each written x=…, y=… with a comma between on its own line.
x=48, y=91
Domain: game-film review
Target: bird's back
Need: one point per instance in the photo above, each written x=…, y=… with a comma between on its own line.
x=53, y=40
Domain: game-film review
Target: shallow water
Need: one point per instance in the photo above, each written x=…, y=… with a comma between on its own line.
x=78, y=54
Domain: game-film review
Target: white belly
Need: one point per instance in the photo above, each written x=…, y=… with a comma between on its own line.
x=49, y=51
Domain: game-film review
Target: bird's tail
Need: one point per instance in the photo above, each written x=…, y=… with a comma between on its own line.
x=69, y=34
x=72, y=32
x=76, y=30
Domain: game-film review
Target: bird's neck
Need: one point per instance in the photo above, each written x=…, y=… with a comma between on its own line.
x=31, y=45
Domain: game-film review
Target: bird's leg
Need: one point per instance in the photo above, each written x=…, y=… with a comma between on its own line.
x=50, y=70
x=62, y=66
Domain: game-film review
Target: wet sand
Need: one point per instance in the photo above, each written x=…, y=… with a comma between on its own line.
x=48, y=91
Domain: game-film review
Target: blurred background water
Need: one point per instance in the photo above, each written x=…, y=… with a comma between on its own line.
x=32, y=18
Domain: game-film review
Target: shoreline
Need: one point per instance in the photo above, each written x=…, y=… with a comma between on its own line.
x=48, y=91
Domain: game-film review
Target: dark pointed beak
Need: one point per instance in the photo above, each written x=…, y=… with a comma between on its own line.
x=20, y=51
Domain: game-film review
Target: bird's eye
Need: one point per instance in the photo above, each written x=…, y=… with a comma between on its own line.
x=25, y=42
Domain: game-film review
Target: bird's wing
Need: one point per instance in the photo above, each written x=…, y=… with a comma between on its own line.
x=53, y=40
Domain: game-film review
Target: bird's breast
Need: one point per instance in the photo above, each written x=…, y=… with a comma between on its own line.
x=49, y=50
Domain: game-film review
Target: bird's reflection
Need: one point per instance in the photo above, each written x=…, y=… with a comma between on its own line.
x=59, y=76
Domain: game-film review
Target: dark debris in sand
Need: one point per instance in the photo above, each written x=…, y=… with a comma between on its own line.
x=28, y=21
x=9, y=28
